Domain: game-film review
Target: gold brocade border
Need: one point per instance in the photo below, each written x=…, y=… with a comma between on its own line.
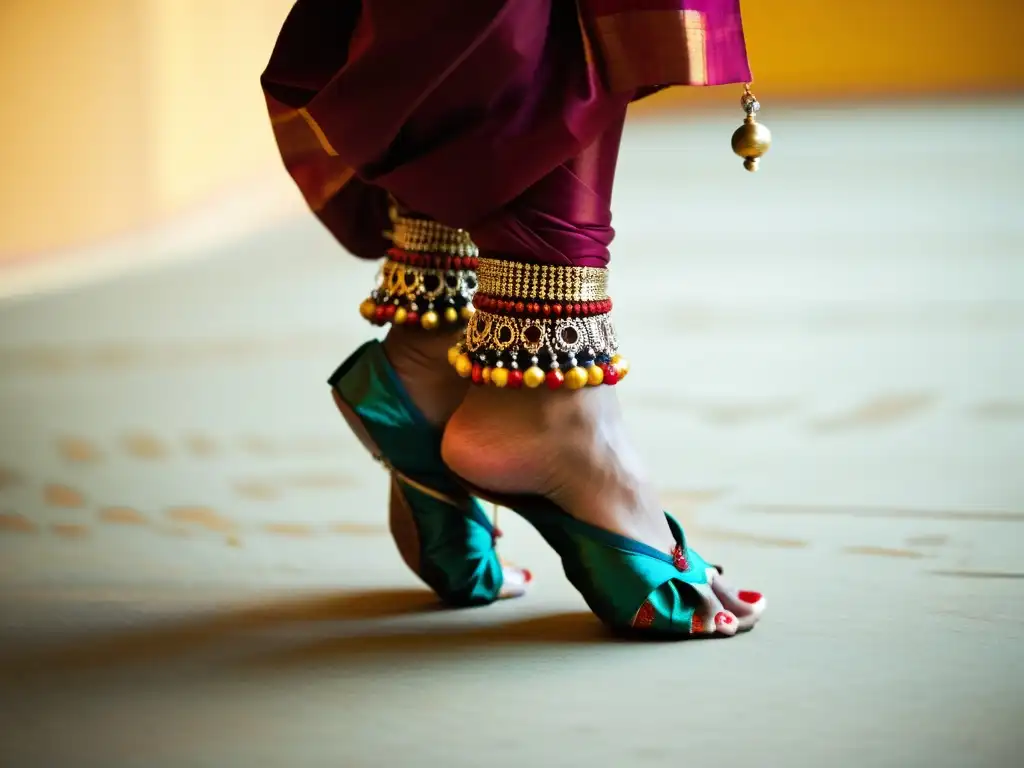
x=428, y=236
x=542, y=281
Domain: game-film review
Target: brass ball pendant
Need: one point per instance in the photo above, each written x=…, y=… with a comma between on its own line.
x=750, y=141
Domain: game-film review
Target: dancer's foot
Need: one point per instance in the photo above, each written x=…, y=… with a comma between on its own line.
x=572, y=448
x=442, y=534
x=419, y=358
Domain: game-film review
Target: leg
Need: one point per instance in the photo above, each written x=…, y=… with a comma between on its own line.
x=559, y=433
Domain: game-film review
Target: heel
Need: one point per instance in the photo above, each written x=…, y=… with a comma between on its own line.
x=452, y=543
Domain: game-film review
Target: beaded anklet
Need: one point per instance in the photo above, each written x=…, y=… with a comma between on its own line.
x=540, y=325
x=428, y=279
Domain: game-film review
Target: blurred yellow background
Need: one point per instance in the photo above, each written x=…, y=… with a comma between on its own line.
x=120, y=113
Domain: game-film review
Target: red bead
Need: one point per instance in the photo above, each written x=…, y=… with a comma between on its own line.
x=557, y=309
x=457, y=263
x=546, y=310
x=515, y=380
x=379, y=314
x=611, y=375
x=412, y=318
x=478, y=373
x=554, y=378
x=568, y=310
x=389, y=311
x=520, y=307
x=577, y=309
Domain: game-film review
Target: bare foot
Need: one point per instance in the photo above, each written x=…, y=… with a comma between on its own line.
x=420, y=358
x=570, y=447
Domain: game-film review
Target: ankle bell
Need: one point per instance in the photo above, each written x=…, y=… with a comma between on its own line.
x=428, y=279
x=540, y=325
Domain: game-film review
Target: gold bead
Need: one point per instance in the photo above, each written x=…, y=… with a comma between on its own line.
x=453, y=355
x=466, y=312
x=595, y=375
x=750, y=141
x=533, y=377
x=486, y=375
x=430, y=320
x=464, y=366
x=400, y=316
x=367, y=308
x=576, y=378
x=499, y=377
x=451, y=315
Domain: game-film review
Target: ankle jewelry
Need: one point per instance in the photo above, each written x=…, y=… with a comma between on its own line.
x=428, y=279
x=540, y=324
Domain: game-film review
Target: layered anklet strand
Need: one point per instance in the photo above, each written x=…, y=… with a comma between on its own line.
x=428, y=279
x=540, y=325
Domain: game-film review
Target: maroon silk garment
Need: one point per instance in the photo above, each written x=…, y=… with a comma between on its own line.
x=498, y=116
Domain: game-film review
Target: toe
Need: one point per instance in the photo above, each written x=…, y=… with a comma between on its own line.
x=726, y=623
x=746, y=605
x=516, y=582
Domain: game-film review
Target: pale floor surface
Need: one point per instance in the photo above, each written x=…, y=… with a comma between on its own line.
x=828, y=379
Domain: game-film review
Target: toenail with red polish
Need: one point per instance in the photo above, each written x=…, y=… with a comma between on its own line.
x=750, y=597
x=723, y=618
x=527, y=575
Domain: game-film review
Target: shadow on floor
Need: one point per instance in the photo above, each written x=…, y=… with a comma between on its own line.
x=328, y=627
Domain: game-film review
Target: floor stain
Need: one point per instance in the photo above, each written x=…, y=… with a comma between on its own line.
x=8, y=478
x=322, y=480
x=143, y=445
x=78, y=450
x=966, y=574
x=950, y=515
x=259, y=446
x=360, y=529
x=11, y=522
x=1000, y=410
x=881, y=411
x=743, y=537
x=740, y=413
x=201, y=445
x=69, y=530
x=871, y=551
x=289, y=529
x=116, y=356
x=57, y=495
x=256, y=490
x=202, y=517
x=122, y=516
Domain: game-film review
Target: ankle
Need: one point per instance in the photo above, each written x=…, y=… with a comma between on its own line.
x=419, y=358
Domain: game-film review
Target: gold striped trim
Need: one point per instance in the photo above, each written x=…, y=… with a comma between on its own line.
x=541, y=281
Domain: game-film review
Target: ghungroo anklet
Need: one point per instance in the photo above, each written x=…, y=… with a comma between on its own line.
x=540, y=325
x=428, y=279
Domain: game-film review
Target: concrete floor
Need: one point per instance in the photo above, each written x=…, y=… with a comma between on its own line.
x=828, y=380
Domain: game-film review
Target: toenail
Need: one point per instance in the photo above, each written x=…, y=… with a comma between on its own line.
x=750, y=597
x=723, y=618
x=679, y=559
x=527, y=575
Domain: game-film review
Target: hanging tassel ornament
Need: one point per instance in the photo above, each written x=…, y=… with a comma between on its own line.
x=751, y=140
